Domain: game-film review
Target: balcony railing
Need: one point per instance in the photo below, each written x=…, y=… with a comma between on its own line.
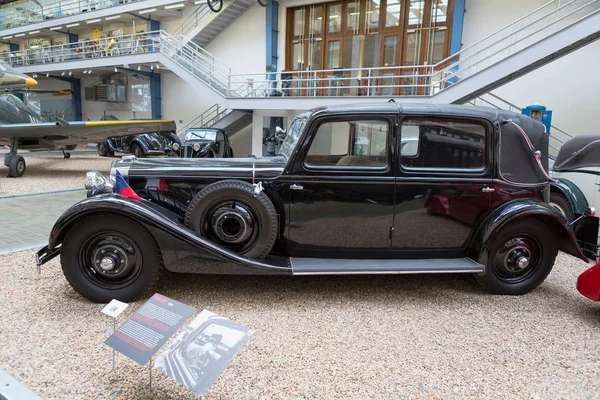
x=88, y=49
x=27, y=12
x=421, y=80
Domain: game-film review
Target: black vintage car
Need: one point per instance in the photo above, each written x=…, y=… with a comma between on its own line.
x=141, y=145
x=205, y=143
x=365, y=189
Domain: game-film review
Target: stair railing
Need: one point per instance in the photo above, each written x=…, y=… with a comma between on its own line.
x=557, y=136
x=208, y=118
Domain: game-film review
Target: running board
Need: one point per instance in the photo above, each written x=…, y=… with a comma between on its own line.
x=328, y=266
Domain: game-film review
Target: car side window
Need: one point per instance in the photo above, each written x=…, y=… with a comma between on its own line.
x=442, y=143
x=351, y=143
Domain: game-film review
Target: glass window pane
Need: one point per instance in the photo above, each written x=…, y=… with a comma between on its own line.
x=439, y=11
x=442, y=143
x=315, y=55
x=437, y=40
x=353, y=16
x=413, y=48
x=373, y=13
x=299, y=22
x=335, y=18
x=392, y=13
x=416, y=11
x=371, y=50
x=350, y=144
x=333, y=54
x=316, y=20
x=298, y=60
x=390, y=50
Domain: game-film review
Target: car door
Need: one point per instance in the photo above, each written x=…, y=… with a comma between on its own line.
x=342, y=188
x=443, y=184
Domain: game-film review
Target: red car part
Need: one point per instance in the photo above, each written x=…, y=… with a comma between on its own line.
x=588, y=283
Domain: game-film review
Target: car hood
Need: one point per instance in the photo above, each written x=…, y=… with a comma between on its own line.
x=224, y=168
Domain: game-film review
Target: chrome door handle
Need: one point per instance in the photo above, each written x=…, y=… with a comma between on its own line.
x=488, y=190
x=293, y=186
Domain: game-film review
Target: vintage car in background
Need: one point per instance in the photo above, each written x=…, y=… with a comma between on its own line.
x=205, y=143
x=141, y=145
x=577, y=171
x=367, y=189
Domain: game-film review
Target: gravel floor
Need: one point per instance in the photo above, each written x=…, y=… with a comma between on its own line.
x=50, y=171
x=386, y=337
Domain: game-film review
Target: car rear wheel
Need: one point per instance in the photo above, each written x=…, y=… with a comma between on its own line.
x=229, y=214
x=519, y=259
x=110, y=257
x=561, y=203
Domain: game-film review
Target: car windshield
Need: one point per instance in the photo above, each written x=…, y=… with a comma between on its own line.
x=203, y=135
x=292, y=136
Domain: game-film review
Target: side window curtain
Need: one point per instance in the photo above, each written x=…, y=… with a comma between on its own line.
x=442, y=143
x=351, y=143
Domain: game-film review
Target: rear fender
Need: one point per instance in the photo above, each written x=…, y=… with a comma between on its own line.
x=572, y=193
x=170, y=235
x=485, y=233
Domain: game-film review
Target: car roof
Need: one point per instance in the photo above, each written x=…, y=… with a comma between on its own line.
x=414, y=108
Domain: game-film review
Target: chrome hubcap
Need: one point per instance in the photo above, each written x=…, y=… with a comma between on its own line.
x=517, y=259
x=107, y=264
x=232, y=223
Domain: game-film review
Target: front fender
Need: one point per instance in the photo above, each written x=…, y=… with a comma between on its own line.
x=572, y=193
x=485, y=232
x=143, y=143
x=164, y=226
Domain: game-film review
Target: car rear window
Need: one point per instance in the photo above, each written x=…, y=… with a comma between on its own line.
x=442, y=144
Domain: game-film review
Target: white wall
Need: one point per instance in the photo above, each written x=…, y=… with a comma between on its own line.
x=242, y=45
x=567, y=86
x=179, y=102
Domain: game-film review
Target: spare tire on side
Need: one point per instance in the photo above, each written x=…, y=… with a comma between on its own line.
x=229, y=214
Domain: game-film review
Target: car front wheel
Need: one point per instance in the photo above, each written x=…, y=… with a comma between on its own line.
x=519, y=259
x=561, y=203
x=110, y=257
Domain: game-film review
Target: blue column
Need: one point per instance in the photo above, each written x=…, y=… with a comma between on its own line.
x=272, y=36
x=457, y=26
x=152, y=25
x=155, y=95
x=76, y=98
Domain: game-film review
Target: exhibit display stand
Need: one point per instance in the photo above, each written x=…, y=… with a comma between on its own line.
x=195, y=358
x=113, y=310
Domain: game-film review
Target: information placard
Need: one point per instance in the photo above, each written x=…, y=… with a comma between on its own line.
x=114, y=308
x=201, y=352
x=144, y=333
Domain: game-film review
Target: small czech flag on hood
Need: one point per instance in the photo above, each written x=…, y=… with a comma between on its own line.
x=122, y=188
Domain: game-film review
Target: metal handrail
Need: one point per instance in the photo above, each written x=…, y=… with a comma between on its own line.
x=207, y=118
x=192, y=21
x=138, y=43
x=421, y=80
x=33, y=12
x=553, y=137
x=453, y=75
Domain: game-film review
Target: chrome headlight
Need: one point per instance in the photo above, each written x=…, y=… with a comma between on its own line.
x=96, y=183
x=196, y=147
x=175, y=146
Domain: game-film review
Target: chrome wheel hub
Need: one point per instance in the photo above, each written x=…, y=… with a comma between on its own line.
x=517, y=259
x=107, y=264
x=232, y=223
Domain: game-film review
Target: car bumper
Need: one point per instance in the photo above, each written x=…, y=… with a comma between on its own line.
x=44, y=255
x=588, y=283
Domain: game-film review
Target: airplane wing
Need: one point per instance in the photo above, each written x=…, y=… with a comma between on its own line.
x=83, y=132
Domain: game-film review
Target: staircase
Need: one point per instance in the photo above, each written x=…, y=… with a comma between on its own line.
x=557, y=136
x=204, y=25
x=231, y=121
x=538, y=38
